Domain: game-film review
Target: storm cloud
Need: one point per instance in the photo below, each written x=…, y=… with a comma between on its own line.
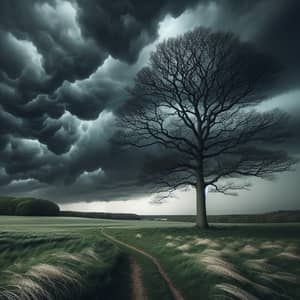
x=64, y=69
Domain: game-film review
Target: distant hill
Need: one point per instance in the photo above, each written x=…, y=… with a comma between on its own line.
x=27, y=207
x=100, y=215
x=271, y=217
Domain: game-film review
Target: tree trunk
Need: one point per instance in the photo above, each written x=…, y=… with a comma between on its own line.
x=201, y=218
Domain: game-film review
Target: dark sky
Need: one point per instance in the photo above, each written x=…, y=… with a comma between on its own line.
x=64, y=69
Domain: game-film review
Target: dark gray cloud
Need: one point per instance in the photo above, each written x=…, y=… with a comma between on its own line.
x=125, y=27
x=273, y=26
x=64, y=66
x=280, y=37
x=41, y=47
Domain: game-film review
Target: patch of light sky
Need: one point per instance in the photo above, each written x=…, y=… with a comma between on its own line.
x=288, y=101
x=265, y=196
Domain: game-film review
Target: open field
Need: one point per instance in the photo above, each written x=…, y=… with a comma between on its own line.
x=233, y=262
x=55, y=265
x=69, y=258
x=46, y=224
x=285, y=216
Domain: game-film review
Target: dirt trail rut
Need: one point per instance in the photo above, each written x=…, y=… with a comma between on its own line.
x=175, y=292
x=138, y=292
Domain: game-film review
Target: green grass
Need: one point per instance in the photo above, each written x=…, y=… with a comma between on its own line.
x=70, y=263
x=192, y=258
x=284, y=216
x=28, y=242
x=67, y=224
x=263, y=261
x=155, y=286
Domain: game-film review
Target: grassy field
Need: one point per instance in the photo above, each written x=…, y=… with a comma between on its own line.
x=69, y=265
x=232, y=262
x=58, y=258
x=286, y=216
x=68, y=258
x=46, y=224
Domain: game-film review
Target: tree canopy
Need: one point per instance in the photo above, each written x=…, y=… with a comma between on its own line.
x=197, y=103
x=27, y=207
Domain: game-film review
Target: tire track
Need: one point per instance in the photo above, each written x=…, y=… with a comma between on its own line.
x=136, y=279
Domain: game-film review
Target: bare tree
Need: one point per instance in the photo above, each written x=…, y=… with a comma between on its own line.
x=197, y=99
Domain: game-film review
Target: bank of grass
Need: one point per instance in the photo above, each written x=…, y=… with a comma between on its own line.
x=53, y=265
x=240, y=262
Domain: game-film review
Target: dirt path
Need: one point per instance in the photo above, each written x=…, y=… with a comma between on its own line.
x=175, y=292
x=138, y=292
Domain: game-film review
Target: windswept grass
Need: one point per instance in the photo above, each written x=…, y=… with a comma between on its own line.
x=67, y=258
x=245, y=263
x=235, y=291
x=55, y=266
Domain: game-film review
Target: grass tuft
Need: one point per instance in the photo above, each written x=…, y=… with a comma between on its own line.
x=248, y=249
x=235, y=291
x=206, y=242
x=289, y=255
